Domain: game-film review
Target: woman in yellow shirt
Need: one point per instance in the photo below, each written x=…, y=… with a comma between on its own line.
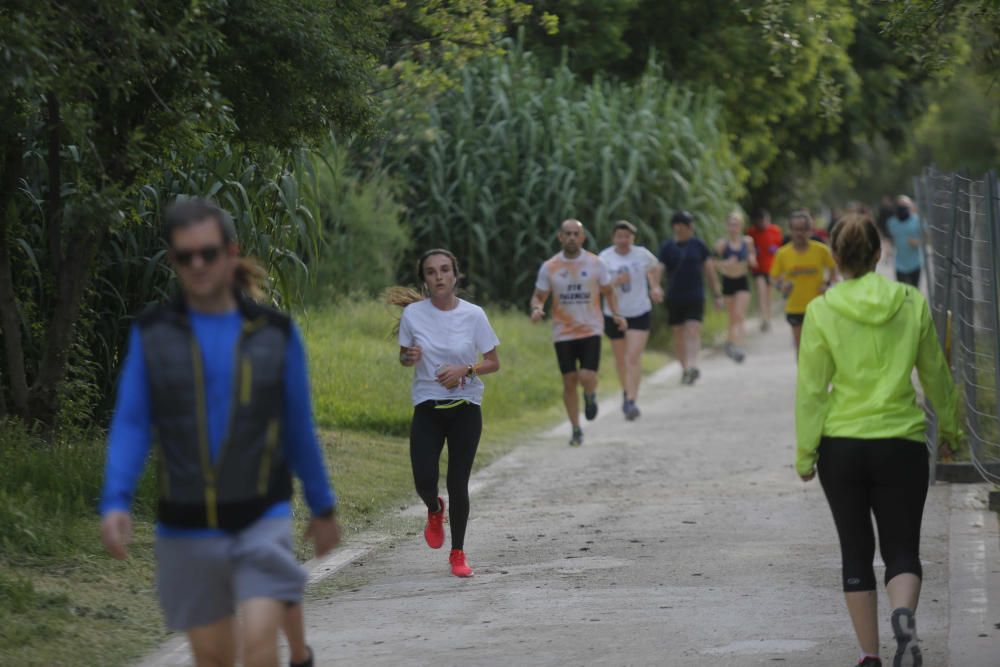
x=802, y=270
x=858, y=424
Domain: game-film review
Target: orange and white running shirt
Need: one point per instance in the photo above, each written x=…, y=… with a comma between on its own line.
x=576, y=294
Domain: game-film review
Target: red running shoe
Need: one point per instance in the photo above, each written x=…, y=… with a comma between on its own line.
x=434, y=530
x=459, y=567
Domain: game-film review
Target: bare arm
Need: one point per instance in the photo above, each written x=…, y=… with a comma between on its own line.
x=751, y=252
x=538, y=300
x=654, y=276
x=713, y=278
x=608, y=292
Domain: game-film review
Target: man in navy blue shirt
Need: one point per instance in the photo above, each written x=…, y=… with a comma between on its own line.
x=218, y=383
x=687, y=261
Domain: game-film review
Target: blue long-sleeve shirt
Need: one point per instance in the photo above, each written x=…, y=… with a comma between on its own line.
x=130, y=438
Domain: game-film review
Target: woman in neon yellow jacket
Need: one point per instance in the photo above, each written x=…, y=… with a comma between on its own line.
x=858, y=424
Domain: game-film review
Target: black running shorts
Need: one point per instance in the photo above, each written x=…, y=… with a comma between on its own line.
x=731, y=286
x=795, y=319
x=685, y=311
x=638, y=323
x=583, y=351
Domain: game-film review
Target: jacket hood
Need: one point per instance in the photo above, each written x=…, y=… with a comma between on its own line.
x=870, y=299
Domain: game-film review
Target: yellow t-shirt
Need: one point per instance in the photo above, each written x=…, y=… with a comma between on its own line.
x=807, y=271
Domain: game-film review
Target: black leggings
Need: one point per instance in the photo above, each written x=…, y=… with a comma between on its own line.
x=885, y=477
x=461, y=426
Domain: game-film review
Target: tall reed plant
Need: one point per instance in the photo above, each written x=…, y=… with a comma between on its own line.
x=516, y=149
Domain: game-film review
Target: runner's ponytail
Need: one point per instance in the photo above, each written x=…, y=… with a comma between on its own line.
x=856, y=244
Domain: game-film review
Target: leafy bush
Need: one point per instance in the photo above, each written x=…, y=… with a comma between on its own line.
x=361, y=223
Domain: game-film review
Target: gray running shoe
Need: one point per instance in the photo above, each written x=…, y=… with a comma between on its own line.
x=577, y=438
x=739, y=356
x=686, y=377
x=695, y=374
x=904, y=628
x=631, y=411
x=765, y=326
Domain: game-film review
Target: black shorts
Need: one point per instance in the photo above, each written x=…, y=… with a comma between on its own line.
x=586, y=351
x=685, y=311
x=638, y=323
x=765, y=276
x=795, y=319
x=731, y=286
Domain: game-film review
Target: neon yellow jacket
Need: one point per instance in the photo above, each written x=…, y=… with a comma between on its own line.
x=860, y=343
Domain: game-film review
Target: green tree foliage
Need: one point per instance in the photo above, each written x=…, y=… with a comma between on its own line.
x=799, y=80
x=513, y=151
x=106, y=96
x=943, y=35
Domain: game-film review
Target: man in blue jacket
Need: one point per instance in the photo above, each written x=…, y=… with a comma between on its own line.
x=218, y=383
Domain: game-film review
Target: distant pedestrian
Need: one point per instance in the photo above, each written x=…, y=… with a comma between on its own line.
x=635, y=275
x=767, y=238
x=736, y=257
x=576, y=280
x=688, y=263
x=905, y=230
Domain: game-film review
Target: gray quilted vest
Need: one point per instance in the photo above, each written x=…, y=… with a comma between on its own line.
x=249, y=474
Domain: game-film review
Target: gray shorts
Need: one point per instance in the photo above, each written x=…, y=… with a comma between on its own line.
x=201, y=580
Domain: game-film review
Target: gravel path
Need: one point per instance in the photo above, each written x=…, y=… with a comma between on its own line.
x=684, y=538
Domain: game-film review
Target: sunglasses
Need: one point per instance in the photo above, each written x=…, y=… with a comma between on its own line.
x=208, y=255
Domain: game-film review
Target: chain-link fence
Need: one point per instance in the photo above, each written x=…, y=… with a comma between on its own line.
x=961, y=219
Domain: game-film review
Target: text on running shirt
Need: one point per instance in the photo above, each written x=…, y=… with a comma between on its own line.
x=575, y=285
x=446, y=337
x=633, y=294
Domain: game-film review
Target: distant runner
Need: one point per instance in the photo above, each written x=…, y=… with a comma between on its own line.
x=577, y=279
x=802, y=270
x=636, y=277
x=687, y=261
x=737, y=256
x=904, y=228
x=767, y=239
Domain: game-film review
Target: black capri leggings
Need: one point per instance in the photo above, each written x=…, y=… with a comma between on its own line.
x=461, y=426
x=887, y=478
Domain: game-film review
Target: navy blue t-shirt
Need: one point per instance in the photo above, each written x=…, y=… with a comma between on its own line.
x=685, y=264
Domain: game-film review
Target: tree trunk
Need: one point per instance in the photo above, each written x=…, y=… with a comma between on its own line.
x=10, y=320
x=53, y=204
x=71, y=285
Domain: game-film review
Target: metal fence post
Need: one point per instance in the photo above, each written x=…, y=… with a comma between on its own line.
x=993, y=222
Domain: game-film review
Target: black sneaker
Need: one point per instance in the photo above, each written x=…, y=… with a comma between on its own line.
x=577, y=438
x=695, y=374
x=686, y=377
x=590, y=406
x=904, y=628
x=632, y=411
x=307, y=663
x=870, y=662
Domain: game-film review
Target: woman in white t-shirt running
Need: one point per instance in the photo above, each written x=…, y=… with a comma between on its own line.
x=443, y=336
x=636, y=278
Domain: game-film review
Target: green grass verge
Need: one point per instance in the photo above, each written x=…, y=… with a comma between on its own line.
x=64, y=602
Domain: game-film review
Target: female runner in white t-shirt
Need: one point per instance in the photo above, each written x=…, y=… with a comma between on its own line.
x=636, y=278
x=443, y=336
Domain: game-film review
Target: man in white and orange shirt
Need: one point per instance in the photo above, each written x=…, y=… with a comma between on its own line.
x=576, y=279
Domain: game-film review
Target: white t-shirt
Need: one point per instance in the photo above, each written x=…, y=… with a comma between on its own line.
x=633, y=294
x=456, y=336
x=575, y=285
